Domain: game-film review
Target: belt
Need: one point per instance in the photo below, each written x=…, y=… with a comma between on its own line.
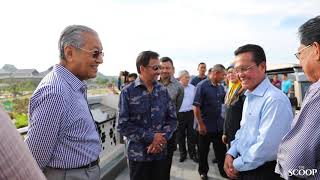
x=93, y=163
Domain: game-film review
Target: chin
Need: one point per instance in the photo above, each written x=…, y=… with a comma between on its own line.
x=90, y=76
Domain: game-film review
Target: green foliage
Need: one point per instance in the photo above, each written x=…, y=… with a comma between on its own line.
x=17, y=87
x=102, y=81
x=8, y=105
x=20, y=105
x=21, y=120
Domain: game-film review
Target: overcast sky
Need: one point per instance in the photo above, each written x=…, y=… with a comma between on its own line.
x=187, y=31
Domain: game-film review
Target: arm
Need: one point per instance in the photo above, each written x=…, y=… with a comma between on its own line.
x=233, y=149
x=127, y=126
x=276, y=117
x=16, y=160
x=170, y=124
x=45, y=116
x=300, y=147
x=197, y=111
x=179, y=98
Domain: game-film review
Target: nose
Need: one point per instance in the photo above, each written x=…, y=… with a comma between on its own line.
x=99, y=60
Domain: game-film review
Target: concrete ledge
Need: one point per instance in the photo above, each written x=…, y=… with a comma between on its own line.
x=111, y=167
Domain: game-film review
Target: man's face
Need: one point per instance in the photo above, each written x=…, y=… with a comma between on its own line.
x=202, y=69
x=249, y=73
x=184, y=79
x=85, y=61
x=152, y=70
x=309, y=60
x=166, y=70
x=284, y=77
x=131, y=79
x=217, y=76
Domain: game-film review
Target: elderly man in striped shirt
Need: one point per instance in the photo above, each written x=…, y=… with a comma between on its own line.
x=62, y=134
x=298, y=154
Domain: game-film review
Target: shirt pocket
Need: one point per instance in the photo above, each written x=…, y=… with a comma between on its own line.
x=138, y=105
x=252, y=125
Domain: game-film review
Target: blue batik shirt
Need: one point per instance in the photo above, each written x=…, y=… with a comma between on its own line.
x=141, y=115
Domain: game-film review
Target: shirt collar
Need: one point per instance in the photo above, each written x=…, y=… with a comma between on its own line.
x=171, y=80
x=261, y=88
x=139, y=82
x=205, y=77
x=70, y=78
x=315, y=85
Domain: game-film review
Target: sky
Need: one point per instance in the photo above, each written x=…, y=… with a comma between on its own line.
x=187, y=31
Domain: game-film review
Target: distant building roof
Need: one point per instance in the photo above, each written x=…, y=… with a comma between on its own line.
x=44, y=73
x=25, y=73
x=3, y=71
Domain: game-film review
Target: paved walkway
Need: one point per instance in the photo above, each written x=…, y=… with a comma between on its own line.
x=188, y=170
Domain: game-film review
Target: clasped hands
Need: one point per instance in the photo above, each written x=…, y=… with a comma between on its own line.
x=158, y=144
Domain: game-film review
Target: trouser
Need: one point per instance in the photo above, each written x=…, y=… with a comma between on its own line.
x=219, y=151
x=91, y=173
x=147, y=170
x=185, y=124
x=264, y=172
x=172, y=146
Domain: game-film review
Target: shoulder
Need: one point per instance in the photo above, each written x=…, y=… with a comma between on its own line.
x=273, y=94
x=203, y=83
x=194, y=78
x=191, y=86
x=51, y=84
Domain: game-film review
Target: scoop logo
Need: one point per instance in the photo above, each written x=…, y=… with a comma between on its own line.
x=302, y=172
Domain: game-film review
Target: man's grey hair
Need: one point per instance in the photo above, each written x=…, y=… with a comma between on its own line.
x=73, y=36
x=218, y=67
x=183, y=73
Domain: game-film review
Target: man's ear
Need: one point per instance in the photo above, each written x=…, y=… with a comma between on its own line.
x=263, y=66
x=317, y=50
x=141, y=69
x=68, y=52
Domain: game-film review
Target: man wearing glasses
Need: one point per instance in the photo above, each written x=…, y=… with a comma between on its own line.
x=147, y=118
x=62, y=134
x=298, y=154
x=266, y=118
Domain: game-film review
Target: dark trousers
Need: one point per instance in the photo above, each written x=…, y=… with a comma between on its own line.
x=185, y=127
x=264, y=172
x=147, y=170
x=171, y=147
x=219, y=151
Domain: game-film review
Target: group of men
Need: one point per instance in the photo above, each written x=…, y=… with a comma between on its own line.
x=285, y=85
x=64, y=141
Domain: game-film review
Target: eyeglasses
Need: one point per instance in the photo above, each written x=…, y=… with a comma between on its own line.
x=243, y=69
x=95, y=53
x=155, y=67
x=299, y=52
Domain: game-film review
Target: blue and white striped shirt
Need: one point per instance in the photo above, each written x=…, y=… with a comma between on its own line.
x=299, y=149
x=62, y=133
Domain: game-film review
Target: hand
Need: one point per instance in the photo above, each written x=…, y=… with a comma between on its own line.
x=154, y=149
x=159, y=139
x=157, y=144
x=202, y=129
x=228, y=167
x=225, y=139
